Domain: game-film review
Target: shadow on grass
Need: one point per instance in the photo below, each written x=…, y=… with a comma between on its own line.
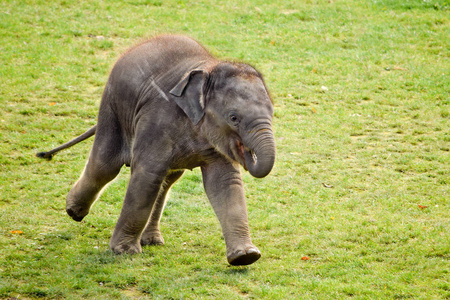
x=233, y=270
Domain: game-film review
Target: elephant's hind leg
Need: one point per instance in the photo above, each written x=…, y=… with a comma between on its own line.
x=152, y=234
x=88, y=188
x=103, y=166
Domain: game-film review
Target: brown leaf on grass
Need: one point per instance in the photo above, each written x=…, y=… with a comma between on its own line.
x=395, y=68
x=399, y=68
x=16, y=231
x=289, y=12
x=422, y=206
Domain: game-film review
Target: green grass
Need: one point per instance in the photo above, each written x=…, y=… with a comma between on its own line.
x=361, y=92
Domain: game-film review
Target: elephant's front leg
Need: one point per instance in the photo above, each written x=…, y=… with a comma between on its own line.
x=143, y=190
x=223, y=185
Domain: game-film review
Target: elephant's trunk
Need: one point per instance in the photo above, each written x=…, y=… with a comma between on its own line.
x=260, y=157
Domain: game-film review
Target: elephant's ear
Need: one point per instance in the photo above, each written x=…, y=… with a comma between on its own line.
x=188, y=94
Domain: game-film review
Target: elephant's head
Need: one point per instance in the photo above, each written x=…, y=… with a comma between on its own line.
x=233, y=108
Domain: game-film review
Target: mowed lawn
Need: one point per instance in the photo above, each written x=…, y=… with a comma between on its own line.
x=357, y=205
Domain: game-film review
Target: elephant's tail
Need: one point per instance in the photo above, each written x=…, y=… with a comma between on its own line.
x=49, y=154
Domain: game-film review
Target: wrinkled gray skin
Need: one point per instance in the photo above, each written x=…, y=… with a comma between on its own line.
x=170, y=106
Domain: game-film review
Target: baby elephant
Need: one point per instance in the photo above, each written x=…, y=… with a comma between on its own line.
x=169, y=106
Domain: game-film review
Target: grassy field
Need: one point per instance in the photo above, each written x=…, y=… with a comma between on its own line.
x=357, y=205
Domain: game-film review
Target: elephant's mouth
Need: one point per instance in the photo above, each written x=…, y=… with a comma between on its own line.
x=243, y=154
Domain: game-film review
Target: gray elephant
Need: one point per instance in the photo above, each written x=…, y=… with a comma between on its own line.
x=169, y=106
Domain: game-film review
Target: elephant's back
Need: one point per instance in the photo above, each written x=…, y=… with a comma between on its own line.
x=163, y=53
x=144, y=75
x=173, y=46
x=163, y=59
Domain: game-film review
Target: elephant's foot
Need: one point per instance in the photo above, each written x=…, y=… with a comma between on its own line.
x=244, y=257
x=154, y=238
x=75, y=214
x=126, y=248
x=78, y=204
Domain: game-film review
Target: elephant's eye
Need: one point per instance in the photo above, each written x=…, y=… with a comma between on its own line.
x=234, y=119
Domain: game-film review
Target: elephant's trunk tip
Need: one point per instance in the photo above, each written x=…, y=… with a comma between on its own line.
x=259, y=168
x=260, y=159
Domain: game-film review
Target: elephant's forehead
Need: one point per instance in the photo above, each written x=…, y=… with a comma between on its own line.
x=247, y=95
x=248, y=88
